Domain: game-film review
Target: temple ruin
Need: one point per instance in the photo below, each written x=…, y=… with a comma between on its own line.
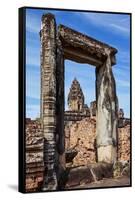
x=57, y=45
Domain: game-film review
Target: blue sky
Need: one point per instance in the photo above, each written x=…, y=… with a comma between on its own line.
x=113, y=29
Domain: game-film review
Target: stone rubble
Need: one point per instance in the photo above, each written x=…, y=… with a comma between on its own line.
x=79, y=136
x=34, y=155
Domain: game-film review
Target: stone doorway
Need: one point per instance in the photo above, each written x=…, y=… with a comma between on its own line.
x=58, y=44
x=79, y=120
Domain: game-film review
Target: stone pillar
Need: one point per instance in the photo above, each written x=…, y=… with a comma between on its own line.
x=60, y=138
x=48, y=100
x=107, y=107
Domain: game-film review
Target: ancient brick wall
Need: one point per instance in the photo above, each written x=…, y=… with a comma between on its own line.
x=79, y=135
x=124, y=143
x=34, y=155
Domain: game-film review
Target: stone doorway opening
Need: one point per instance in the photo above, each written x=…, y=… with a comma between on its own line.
x=79, y=114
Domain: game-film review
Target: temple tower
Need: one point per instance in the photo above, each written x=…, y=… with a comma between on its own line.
x=75, y=97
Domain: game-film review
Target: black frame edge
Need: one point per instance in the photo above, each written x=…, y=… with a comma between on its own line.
x=76, y=10
x=21, y=92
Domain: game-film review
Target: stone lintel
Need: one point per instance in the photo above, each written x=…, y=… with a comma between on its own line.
x=80, y=57
x=84, y=49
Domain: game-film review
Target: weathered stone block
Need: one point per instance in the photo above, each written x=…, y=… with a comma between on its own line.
x=34, y=157
x=106, y=153
x=78, y=176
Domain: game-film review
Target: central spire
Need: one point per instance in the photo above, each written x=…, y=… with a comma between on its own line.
x=75, y=96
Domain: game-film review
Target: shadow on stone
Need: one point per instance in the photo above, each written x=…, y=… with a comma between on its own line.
x=70, y=154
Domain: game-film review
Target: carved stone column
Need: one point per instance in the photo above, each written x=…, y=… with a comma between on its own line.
x=48, y=100
x=60, y=138
x=107, y=107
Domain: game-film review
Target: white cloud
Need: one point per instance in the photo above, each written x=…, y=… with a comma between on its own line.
x=109, y=21
x=120, y=28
